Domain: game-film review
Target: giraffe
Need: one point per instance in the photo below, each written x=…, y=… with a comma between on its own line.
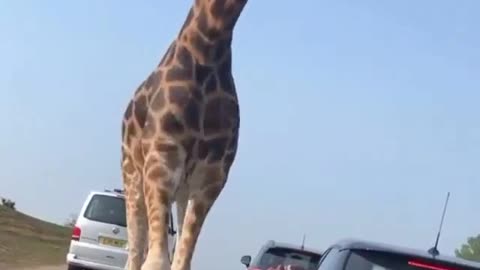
x=180, y=133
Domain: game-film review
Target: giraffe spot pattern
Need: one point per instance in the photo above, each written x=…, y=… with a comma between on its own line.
x=205, y=27
x=188, y=145
x=123, y=129
x=128, y=111
x=198, y=95
x=192, y=115
x=128, y=166
x=186, y=99
x=228, y=161
x=157, y=173
x=233, y=144
x=225, y=77
x=227, y=12
x=211, y=85
x=213, y=191
x=166, y=147
x=222, y=48
x=200, y=45
x=177, y=74
x=184, y=58
x=171, y=124
x=184, y=70
x=188, y=20
x=202, y=72
x=131, y=132
x=179, y=95
x=168, y=56
x=212, y=150
x=150, y=127
x=157, y=208
x=199, y=209
x=217, y=9
x=158, y=100
x=138, y=153
x=151, y=162
x=220, y=114
x=152, y=81
x=140, y=110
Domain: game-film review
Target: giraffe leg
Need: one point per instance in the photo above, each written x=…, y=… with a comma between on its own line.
x=182, y=201
x=181, y=204
x=163, y=171
x=136, y=215
x=210, y=184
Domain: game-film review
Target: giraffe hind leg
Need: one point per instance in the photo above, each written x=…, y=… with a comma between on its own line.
x=136, y=215
x=163, y=171
x=181, y=200
x=210, y=183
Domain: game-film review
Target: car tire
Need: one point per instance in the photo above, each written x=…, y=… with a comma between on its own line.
x=73, y=267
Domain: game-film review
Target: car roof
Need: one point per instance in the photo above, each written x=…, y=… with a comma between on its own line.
x=272, y=243
x=107, y=193
x=358, y=244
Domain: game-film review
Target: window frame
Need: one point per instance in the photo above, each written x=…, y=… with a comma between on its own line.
x=341, y=260
x=91, y=204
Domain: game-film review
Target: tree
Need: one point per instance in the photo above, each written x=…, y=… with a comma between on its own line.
x=8, y=203
x=470, y=250
x=70, y=222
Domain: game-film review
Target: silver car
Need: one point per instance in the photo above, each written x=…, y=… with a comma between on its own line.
x=99, y=238
x=274, y=254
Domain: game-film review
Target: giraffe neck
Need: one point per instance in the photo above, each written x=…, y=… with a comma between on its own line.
x=207, y=45
x=213, y=20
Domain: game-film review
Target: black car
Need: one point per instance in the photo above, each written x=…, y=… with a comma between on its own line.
x=363, y=255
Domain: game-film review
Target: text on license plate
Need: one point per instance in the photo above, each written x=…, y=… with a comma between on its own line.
x=112, y=242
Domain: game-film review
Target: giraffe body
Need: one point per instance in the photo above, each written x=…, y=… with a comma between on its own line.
x=179, y=137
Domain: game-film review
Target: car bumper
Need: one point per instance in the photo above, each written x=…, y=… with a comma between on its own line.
x=73, y=260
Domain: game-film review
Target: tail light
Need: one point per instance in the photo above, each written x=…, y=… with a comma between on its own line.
x=427, y=266
x=76, y=233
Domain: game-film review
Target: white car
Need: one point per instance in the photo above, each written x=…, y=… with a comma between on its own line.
x=99, y=237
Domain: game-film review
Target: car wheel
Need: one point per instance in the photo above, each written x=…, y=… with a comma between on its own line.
x=73, y=267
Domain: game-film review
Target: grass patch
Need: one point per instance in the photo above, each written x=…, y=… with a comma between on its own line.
x=27, y=241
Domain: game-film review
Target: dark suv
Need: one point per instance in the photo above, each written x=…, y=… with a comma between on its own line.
x=274, y=255
x=362, y=255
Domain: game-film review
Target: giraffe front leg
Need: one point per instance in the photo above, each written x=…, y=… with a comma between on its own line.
x=136, y=215
x=210, y=184
x=162, y=171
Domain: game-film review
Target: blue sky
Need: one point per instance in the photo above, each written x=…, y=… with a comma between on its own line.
x=357, y=116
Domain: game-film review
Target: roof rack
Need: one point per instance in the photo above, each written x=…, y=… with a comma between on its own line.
x=116, y=190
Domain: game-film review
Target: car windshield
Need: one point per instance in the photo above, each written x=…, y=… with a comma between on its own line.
x=273, y=258
x=107, y=209
x=374, y=260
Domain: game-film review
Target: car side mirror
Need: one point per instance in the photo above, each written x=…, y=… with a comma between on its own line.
x=246, y=260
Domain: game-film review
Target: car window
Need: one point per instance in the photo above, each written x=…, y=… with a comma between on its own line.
x=375, y=260
x=295, y=258
x=107, y=209
x=332, y=260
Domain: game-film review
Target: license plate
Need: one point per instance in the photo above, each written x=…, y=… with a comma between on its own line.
x=107, y=241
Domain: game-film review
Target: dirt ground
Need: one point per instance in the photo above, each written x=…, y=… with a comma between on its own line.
x=55, y=267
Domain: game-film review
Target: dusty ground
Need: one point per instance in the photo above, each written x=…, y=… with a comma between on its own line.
x=58, y=267
x=23, y=236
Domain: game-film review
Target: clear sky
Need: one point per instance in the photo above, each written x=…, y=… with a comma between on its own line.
x=357, y=116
